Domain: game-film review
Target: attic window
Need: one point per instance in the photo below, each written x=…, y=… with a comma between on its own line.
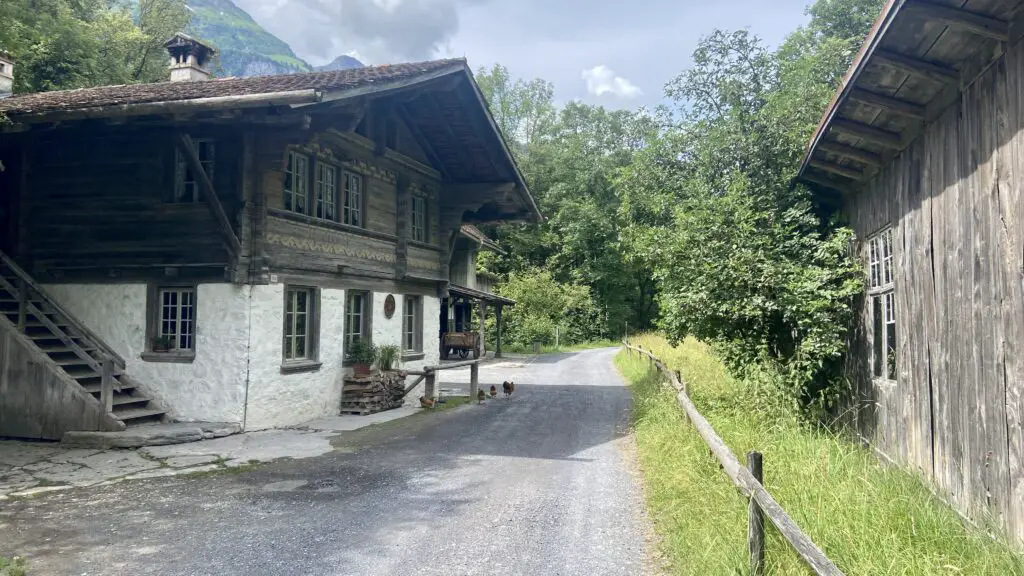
x=186, y=185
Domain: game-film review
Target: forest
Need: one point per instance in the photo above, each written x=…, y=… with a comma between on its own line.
x=686, y=218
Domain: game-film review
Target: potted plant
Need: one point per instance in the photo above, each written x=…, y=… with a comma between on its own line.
x=388, y=357
x=362, y=354
x=163, y=344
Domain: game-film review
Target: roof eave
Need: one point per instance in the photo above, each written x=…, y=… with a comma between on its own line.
x=874, y=38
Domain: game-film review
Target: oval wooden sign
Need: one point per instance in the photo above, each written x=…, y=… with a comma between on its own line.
x=389, y=306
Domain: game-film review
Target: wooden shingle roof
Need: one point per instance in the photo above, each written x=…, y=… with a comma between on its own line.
x=102, y=96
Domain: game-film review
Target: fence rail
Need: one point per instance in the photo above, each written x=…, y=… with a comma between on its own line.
x=747, y=484
x=429, y=373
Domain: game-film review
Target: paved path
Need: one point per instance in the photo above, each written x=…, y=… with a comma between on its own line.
x=539, y=484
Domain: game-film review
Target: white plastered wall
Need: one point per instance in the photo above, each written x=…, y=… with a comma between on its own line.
x=277, y=399
x=212, y=387
x=238, y=337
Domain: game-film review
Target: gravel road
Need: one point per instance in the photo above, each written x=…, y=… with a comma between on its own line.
x=538, y=484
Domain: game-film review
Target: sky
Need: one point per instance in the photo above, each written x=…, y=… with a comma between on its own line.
x=610, y=52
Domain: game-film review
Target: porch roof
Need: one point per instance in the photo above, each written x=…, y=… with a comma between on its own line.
x=911, y=68
x=478, y=295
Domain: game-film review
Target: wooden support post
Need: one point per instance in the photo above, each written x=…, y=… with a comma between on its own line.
x=188, y=147
x=755, y=521
x=22, y=304
x=483, y=318
x=474, y=380
x=497, y=332
x=429, y=388
x=107, y=384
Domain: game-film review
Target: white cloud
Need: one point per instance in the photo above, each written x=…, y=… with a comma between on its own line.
x=602, y=80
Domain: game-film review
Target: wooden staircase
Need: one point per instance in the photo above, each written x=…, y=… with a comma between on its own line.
x=77, y=351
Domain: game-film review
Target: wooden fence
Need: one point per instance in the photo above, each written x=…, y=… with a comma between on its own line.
x=748, y=481
x=429, y=373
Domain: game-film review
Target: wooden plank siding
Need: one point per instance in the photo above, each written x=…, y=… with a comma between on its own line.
x=954, y=201
x=295, y=243
x=99, y=199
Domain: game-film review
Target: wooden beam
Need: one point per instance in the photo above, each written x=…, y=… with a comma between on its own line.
x=961, y=19
x=862, y=156
x=188, y=147
x=846, y=171
x=916, y=66
x=870, y=133
x=826, y=182
x=428, y=149
x=895, y=105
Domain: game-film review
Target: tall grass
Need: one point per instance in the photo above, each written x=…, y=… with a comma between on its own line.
x=868, y=518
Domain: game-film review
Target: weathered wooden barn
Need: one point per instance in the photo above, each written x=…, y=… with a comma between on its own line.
x=924, y=149
x=213, y=247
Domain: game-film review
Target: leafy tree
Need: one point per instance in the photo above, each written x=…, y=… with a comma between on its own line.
x=61, y=44
x=742, y=257
x=544, y=304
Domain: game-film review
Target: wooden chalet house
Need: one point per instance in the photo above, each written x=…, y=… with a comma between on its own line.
x=470, y=297
x=923, y=149
x=209, y=249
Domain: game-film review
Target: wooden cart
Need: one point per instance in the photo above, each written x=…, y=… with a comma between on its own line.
x=460, y=344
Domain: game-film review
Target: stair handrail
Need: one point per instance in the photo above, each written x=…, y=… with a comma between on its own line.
x=71, y=319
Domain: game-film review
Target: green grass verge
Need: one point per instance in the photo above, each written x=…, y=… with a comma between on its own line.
x=13, y=566
x=868, y=518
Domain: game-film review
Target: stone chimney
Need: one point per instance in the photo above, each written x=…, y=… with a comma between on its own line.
x=6, y=74
x=189, y=58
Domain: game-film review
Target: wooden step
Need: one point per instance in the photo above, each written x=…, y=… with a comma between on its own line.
x=74, y=361
x=60, y=348
x=95, y=389
x=128, y=400
x=81, y=370
x=133, y=415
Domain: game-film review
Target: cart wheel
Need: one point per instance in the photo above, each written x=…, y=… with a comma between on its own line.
x=463, y=353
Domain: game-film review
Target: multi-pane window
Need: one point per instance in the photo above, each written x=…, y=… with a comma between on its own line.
x=353, y=199
x=177, y=314
x=882, y=298
x=419, y=218
x=326, y=191
x=296, y=183
x=187, y=188
x=357, y=307
x=299, y=310
x=412, y=324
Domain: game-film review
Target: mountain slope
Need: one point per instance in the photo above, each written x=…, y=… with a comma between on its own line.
x=343, y=62
x=245, y=48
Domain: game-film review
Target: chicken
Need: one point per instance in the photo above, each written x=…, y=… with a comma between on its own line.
x=426, y=402
x=506, y=389
x=481, y=396
x=494, y=391
x=511, y=387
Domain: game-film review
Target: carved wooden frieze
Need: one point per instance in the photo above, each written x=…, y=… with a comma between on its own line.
x=424, y=259
x=364, y=167
x=298, y=236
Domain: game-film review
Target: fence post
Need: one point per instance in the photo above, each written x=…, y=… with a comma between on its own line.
x=428, y=387
x=474, y=380
x=107, y=384
x=755, y=523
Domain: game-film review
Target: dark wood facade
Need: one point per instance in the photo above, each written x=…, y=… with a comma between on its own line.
x=92, y=200
x=924, y=145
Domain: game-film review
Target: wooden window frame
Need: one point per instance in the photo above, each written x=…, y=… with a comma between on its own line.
x=366, y=318
x=326, y=194
x=311, y=361
x=291, y=193
x=881, y=301
x=416, y=304
x=154, y=320
x=418, y=230
x=182, y=193
x=352, y=207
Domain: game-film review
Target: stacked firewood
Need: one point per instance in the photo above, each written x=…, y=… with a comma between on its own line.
x=373, y=393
